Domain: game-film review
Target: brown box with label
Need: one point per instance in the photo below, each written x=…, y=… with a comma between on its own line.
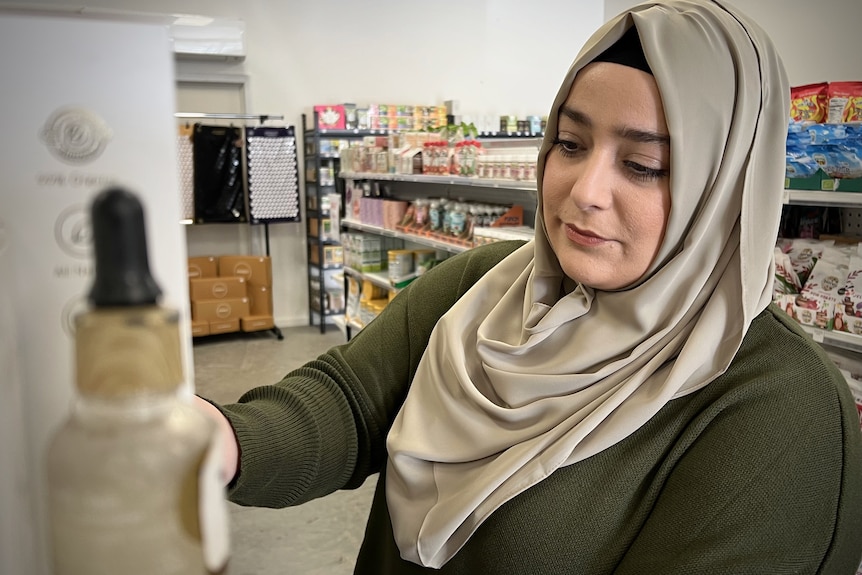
x=200, y=328
x=217, y=288
x=219, y=309
x=257, y=270
x=203, y=267
x=257, y=323
x=260, y=300
x=224, y=326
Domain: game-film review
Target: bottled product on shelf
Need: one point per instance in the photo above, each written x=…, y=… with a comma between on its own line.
x=133, y=474
x=431, y=154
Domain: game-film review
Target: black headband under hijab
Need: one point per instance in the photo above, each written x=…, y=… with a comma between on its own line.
x=626, y=51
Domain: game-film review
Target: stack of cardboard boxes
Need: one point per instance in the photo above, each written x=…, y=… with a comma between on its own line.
x=230, y=294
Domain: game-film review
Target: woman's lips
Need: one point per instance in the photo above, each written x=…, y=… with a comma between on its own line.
x=583, y=237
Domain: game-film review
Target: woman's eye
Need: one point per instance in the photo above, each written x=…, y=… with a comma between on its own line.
x=641, y=173
x=566, y=147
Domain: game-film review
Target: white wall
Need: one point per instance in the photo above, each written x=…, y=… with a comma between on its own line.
x=494, y=56
x=818, y=41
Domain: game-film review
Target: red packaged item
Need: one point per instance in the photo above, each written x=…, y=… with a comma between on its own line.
x=330, y=117
x=808, y=103
x=845, y=102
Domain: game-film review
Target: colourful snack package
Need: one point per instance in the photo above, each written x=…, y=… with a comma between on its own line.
x=800, y=163
x=804, y=253
x=845, y=102
x=841, y=160
x=786, y=280
x=850, y=309
x=809, y=102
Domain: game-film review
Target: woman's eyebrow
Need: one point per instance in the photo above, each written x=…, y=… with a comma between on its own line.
x=576, y=116
x=631, y=134
x=643, y=136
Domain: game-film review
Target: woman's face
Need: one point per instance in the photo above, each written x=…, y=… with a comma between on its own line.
x=606, y=186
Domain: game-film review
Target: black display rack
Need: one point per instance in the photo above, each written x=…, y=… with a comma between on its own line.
x=261, y=119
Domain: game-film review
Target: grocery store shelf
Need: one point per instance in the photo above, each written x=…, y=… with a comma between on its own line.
x=330, y=133
x=377, y=279
x=432, y=243
x=840, y=339
x=524, y=185
x=818, y=198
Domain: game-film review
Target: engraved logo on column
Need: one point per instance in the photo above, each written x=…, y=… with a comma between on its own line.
x=76, y=135
x=73, y=232
x=74, y=307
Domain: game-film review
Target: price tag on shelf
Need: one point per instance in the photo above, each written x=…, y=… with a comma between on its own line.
x=817, y=335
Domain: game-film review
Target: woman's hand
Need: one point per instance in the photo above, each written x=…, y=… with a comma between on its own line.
x=230, y=447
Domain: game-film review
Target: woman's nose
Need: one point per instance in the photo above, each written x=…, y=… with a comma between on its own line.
x=592, y=186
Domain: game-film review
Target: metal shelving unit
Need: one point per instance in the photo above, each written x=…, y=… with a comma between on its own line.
x=524, y=185
x=425, y=241
x=320, y=292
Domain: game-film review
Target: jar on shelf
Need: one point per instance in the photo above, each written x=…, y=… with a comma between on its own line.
x=531, y=169
x=435, y=215
x=420, y=211
x=457, y=219
x=507, y=168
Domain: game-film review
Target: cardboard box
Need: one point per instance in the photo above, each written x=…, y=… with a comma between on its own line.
x=200, y=328
x=257, y=323
x=203, y=267
x=217, y=288
x=822, y=182
x=224, y=326
x=320, y=228
x=257, y=270
x=260, y=300
x=219, y=309
x=393, y=213
x=332, y=256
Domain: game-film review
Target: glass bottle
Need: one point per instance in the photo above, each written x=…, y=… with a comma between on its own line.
x=133, y=473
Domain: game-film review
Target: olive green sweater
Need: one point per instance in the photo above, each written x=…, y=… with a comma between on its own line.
x=759, y=472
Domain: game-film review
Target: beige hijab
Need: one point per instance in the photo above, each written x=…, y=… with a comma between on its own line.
x=518, y=380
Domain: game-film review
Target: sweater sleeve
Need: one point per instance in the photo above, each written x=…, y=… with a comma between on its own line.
x=323, y=426
x=769, y=479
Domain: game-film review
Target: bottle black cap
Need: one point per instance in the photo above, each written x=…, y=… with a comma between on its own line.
x=120, y=243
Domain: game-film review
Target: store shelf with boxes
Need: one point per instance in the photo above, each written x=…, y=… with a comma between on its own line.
x=819, y=249
x=325, y=134
x=231, y=293
x=387, y=131
x=399, y=221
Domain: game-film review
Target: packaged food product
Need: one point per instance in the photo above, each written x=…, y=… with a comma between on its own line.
x=809, y=102
x=845, y=102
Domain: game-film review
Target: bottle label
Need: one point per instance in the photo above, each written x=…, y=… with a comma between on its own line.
x=215, y=529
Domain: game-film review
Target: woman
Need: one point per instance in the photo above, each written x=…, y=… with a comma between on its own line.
x=618, y=395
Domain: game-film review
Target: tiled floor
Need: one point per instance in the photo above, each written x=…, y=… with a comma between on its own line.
x=321, y=537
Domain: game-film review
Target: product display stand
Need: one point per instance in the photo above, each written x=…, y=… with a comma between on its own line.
x=326, y=301
x=261, y=119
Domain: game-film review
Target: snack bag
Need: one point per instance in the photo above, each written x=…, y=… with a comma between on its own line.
x=800, y=163
x=851, y=303
x=828, y=133
x=813, y=313
x=845, y=102
x=840, y=160
x=804, y=253
x=809, y=102
x=826, y=281
x=786, y=280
